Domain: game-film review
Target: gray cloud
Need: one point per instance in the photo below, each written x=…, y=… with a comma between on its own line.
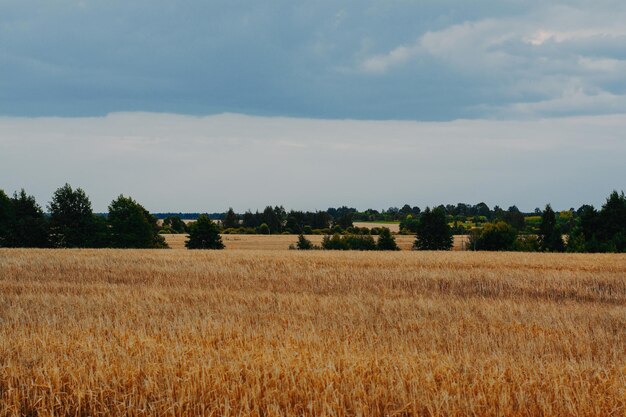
x=173, y=162
x=355, y=59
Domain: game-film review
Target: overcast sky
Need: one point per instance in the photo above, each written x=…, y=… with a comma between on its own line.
x=198, y=105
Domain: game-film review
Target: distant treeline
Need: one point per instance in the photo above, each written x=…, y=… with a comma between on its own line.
x=70, y=222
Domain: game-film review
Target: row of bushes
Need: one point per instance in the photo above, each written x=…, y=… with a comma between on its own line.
x=385, y=241
x=263, y=229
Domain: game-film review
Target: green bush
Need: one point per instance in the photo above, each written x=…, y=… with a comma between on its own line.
x=499, y=236
x=386, y=241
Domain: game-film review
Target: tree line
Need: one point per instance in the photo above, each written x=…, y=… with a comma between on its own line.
x=70, y=222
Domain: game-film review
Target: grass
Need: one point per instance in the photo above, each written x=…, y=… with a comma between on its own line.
x=261, y=333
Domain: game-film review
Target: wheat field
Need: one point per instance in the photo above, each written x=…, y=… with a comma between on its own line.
x=289, y=333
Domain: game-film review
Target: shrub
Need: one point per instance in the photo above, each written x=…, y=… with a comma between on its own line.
x=263, y=229
x=204, y=234
x=497, y=236
x=386, y=241
x=304, y=243
x=359, y=242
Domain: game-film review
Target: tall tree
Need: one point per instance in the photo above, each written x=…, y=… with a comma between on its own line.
x=7, y=218
x=204, y=234
x=230, y=220
x=433, y=231
x=72, y=222
x=132, y=226
x=550, y=239
x=611, y=223
x=29, y=228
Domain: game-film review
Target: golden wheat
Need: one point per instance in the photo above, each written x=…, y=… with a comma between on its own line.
x=238, y=333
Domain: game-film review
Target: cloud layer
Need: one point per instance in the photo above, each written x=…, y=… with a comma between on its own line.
x=183, y=163
x=364, y=59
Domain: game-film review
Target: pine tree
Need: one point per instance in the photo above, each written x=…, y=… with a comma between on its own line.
x=7, y=218
x=550, y=239
x=29, y=228
x=386, y=241
x=433, y=231
x=204, y=234
x=231, y=220
x=304, y=243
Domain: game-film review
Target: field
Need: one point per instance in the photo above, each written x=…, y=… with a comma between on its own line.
x=282, y=242
x=393, y=226
x=245, y=332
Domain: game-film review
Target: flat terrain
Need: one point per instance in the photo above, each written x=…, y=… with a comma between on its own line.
x=394, y=227
x=282, y=242
x=244, y=332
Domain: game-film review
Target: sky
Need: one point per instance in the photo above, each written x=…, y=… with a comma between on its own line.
x=201, y=105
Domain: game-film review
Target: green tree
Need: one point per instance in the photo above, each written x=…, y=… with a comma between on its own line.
x=204, y=234
x=175, y=224
x=230, y=220
x=550, y=239
x=611, y=224
x=72, y=222
x=515, y=218
x=359, y=242
x=7, y=218
x=304, y=243
x=494, y=237
x=29, y=228
x=345, y=220
x=334, y=242
x=386, y=241
x=433, y=231
x=263, y=229
x=132, y=226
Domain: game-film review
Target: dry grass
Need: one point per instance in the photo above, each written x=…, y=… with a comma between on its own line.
x=282, y=242
x=394, y=227
x=260, y=333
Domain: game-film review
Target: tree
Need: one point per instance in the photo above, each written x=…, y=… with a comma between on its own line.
x=132, y=226
x=7, y=218
x=29, y=228
x=611, y=224
x=175, y=224
x=344, y=220
x=359, y=242
x=264, y=229
x=230, y=220
x=495, y=237
x=515, y=218
x=72, y=222
x=204, y=234
x=433, y=231
x=386, y=241
x=550, y=239
x=250, y=220
x=304, y=243
x=334, y=242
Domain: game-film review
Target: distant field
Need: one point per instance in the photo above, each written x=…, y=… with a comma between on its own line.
x=394, y=227
x=282, y=242
x=264, y=333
